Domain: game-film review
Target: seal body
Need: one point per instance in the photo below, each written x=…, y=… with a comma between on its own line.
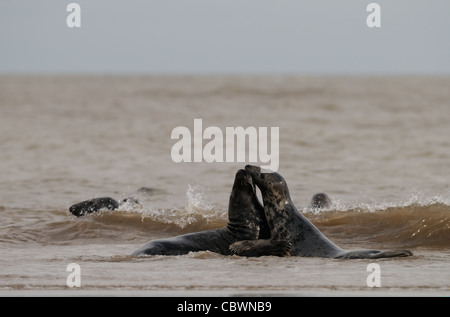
x=246, y=221
x=93, y=205
x=288, y=224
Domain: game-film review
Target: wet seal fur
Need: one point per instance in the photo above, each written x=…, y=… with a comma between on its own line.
x=246, y=221
x=95, y=205
x=319, y=201
x=288, y=224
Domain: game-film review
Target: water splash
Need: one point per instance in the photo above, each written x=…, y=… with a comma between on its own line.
x=416, y=199
x=196, y=201
x=198, y=211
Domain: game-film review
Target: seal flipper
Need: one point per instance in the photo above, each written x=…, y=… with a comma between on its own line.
x=261, y=247
x=373, y=254
x=392, y=254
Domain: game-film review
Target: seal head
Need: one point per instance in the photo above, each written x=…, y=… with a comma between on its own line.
x=93, y=205
x=320, y=201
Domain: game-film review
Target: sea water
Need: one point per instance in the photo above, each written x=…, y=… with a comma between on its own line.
x=378, y=146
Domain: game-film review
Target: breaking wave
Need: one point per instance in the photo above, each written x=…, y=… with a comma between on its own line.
x=416, y=223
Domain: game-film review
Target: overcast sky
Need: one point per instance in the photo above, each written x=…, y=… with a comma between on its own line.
x=225, y=36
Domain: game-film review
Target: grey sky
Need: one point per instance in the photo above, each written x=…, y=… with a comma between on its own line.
x=225, y=36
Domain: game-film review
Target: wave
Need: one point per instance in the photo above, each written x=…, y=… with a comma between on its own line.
x=412, y=226
x=406, y=225
x=125, y=225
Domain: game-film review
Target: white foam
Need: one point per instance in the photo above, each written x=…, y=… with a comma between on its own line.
x=415, y=199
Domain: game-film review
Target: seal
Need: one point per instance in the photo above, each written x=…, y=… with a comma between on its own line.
x=288, y=224
x=320, y=201
x=95, y=205
x=246, y=221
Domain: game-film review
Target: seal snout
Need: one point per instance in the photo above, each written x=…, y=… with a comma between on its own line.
x=242, y=175
x=244, y=180
x=255, y=173
x=253, y=170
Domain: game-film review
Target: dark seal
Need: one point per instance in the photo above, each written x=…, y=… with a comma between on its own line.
x=288, y=224
x=246, y=221
x=320, y=201
x=96, y=205
x=93, y=205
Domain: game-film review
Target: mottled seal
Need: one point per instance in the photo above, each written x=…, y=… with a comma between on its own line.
x=320, y=200
x=288, y=224
x=246, y=221
x=102, y=203
x=93, y=205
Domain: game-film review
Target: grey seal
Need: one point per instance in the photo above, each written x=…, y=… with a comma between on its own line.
x=95, y=205
x=246, y=221
x=319, y=201
x=288, y=224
